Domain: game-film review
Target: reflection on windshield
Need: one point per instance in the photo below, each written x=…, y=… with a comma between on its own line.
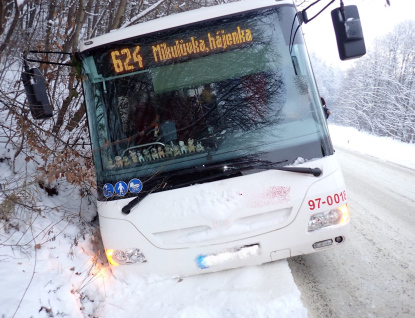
x=241, y=102
x=149, y=127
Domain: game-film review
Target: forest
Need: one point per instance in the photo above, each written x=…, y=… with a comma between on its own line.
x=375, y=95
x=59, y=147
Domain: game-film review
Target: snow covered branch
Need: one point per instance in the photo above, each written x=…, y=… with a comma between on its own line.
x=143, y=14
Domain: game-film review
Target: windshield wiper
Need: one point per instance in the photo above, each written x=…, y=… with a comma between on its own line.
x=314, y=171
x=223, y=171
x=127, y=208
x=266, y=166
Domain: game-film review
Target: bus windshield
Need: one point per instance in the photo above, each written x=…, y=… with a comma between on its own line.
x=205, y=94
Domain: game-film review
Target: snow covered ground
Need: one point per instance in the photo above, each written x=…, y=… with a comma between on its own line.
x=384, y=148
x=51, y=264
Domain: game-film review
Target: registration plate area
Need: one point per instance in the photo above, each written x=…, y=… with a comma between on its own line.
x=228, y=257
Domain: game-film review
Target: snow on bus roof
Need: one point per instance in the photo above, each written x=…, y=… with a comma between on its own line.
x=179, y=19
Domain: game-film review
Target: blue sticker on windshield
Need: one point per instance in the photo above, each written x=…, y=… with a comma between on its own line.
x=108, y=190
x=121, y=188
x=135, y=186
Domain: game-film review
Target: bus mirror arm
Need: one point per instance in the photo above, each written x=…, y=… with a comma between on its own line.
x=37, y=97
x=347, y=27
x=349, y=34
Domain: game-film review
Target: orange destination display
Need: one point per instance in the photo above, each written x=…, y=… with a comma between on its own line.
x=131, y=59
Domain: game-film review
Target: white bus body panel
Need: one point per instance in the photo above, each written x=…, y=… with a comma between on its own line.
x=176, y=20
x=268, y=210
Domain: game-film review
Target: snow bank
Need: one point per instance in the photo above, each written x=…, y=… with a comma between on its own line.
x=260, y=291
x=384, y=148
x=41, y=256
x=62, y=276
x=52, y=269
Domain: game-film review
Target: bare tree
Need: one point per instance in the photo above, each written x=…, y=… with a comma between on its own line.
x=60, y=146
x=379, y=88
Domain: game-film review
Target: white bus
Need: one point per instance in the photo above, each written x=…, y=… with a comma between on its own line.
x=210, y=143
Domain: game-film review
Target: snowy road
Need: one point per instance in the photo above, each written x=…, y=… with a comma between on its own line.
x=373, y=275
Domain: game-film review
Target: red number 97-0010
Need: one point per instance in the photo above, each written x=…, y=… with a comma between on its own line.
x=329, y=200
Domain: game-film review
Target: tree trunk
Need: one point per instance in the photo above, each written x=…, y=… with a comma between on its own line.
x=49, y=27
x=118, y=16
x=11, y=29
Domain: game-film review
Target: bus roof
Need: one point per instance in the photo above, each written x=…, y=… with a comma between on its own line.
x=179, y=19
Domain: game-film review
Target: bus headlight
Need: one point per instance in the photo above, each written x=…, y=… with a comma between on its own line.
x=123, y=257
x=336, y=216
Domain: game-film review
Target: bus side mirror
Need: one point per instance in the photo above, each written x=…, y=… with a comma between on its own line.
x=37, y=98
x=349, y=34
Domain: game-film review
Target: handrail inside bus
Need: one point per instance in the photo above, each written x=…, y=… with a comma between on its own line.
x=104, y=79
